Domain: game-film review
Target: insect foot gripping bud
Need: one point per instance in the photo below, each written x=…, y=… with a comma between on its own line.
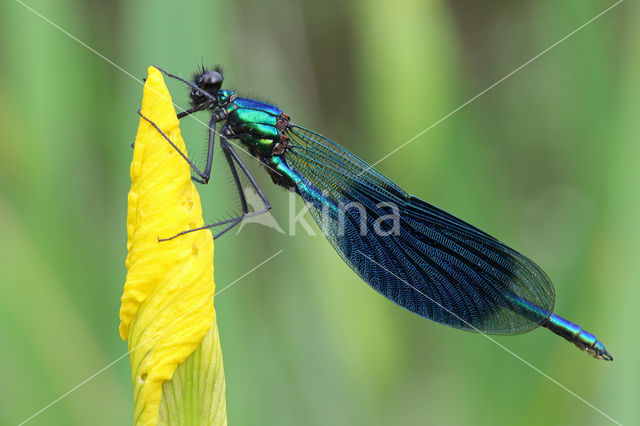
x=167, y=312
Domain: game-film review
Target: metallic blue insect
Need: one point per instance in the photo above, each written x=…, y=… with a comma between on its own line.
x=416, y=255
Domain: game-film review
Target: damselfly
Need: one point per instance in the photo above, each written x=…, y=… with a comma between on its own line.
x=416, y=255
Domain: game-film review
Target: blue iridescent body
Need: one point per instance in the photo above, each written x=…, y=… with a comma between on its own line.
x=416, y=255
x=254, y=122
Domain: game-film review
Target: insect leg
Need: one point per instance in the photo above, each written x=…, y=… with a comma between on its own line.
x=188, y=83
x=203, y=177
x=232, y=160
x=192, y=110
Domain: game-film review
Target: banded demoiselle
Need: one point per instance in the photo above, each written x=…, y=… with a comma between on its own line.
x=416, y=255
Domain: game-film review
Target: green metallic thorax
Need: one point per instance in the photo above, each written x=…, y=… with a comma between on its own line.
x=253, y=122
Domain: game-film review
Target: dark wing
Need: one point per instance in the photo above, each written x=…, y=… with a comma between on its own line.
x=413, y=253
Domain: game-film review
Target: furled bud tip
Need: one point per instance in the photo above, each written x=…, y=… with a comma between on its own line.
x=167, y=304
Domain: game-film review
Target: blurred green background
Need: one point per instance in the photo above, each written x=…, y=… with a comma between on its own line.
x=547, y=161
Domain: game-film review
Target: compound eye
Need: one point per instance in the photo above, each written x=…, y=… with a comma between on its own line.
x=211, y=78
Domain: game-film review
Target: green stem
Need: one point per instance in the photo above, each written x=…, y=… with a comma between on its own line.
x=195, y=396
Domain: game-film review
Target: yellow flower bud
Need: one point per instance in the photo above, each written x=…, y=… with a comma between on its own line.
x=167, y=304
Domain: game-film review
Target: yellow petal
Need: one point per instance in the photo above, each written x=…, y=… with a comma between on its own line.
x=167, y=304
